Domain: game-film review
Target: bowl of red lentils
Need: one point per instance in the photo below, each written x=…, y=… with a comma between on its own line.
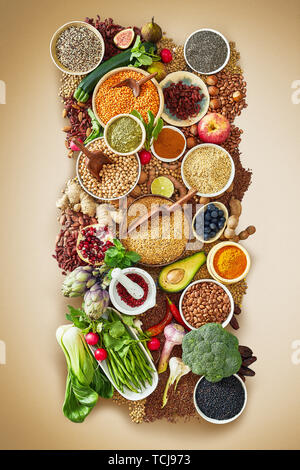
x=206, y=301
x=108, y=102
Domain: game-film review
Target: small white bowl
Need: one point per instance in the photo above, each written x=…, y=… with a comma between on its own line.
x=122, y=306
x=229, y=317
x=221, y=421
x=169, y=160
x=136, y=120
x=227, y=57
x=56, y=35
x=210, y=262
x=231, y=177
x=219, y=233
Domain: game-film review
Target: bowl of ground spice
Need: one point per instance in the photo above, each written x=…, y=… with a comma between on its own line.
x=170, y=144
x=206, y=51
x=77, y=48
x=108, y=102
x=220, y=402
x=228, y=262
x=124, y=134
x=208, y=168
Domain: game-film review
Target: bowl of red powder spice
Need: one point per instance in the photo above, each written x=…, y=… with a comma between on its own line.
x=170, y=144
x=228, y=262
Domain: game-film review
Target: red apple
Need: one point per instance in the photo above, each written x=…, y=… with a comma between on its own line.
x=214, y=128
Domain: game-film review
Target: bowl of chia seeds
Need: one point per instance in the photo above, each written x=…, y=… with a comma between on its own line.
x=206, y=51
x=220, y=402
x=77, y=48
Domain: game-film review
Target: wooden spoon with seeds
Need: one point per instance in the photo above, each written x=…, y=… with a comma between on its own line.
x=96, y=160
x=134, y=84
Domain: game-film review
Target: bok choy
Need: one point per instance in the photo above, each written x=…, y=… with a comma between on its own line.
x=85, y=381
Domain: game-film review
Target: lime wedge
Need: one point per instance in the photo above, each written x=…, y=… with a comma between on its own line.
x=162, y=186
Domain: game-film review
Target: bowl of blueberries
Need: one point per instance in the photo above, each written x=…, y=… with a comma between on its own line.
x=209, y=222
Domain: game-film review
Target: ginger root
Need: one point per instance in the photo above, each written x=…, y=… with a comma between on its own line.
x=77, y=199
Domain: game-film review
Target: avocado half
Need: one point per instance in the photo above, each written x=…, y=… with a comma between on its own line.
x=176, y=276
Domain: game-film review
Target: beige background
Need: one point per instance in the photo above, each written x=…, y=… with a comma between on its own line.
x=34, y=167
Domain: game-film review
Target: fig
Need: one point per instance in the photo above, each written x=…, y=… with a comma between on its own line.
x=92, y=243
x=159, y=68
x=124, y=38
x=151, y=32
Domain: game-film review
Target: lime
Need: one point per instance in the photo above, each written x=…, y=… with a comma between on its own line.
x=162, y=186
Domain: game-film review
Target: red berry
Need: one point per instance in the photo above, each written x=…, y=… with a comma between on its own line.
x=100, y=354
x=166, y=55
x=145, y=157
x=153, y=344
x=92, y=338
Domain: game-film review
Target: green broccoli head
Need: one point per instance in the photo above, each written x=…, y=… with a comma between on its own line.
x=211, y=351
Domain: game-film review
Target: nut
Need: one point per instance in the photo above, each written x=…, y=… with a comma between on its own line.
x=213, y=90
x=212, y=80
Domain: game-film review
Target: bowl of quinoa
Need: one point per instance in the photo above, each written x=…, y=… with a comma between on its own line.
x=108, y=102
x=208, y=168
x=159, y=241
x=77, y=48
x=117, y=179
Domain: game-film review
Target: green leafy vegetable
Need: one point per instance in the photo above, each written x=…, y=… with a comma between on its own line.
x=211, y=351
x=152, y=129
x=84, y=381
x=140, y=56
x=117, y=257
x=97, y=129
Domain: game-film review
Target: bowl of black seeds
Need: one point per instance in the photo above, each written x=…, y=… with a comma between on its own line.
x=206, y=51
x=220, y=402
x=77, y=48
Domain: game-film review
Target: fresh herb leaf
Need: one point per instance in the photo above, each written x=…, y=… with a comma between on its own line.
x=157, y=129
x=117, y=329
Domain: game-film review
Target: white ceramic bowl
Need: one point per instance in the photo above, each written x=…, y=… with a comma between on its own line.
x=122, y=306
x=115, y=118
x=217, y=421
x=229, y=317
x=102, y=198
x=56, y=35
x=169, y=160
x=129, y=394
x=219, y=233
x=227, y=57
x=210, y=265
x=231, y=177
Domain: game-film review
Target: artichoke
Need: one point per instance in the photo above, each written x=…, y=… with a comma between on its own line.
x=79, y=280
x=96, y=300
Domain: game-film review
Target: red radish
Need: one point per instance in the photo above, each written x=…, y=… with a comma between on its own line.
x=100, y=354
x=73, y=146
x=145, y=157
x=92, y=338
x=166, y=55
x=153, y=344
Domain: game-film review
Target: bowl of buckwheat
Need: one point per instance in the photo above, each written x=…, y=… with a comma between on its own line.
x=116, y=180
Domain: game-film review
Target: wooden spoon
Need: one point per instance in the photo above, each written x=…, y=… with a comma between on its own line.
x=96, y=160
x=164, y=209
x=134, y=84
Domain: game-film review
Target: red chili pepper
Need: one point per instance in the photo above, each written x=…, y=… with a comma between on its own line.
x=176, y=314
x=159, y=328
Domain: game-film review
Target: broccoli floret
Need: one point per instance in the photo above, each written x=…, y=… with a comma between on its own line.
x=211, y=351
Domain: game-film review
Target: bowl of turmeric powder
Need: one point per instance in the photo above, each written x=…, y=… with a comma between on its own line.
x=228, y=262
x=170, y=144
